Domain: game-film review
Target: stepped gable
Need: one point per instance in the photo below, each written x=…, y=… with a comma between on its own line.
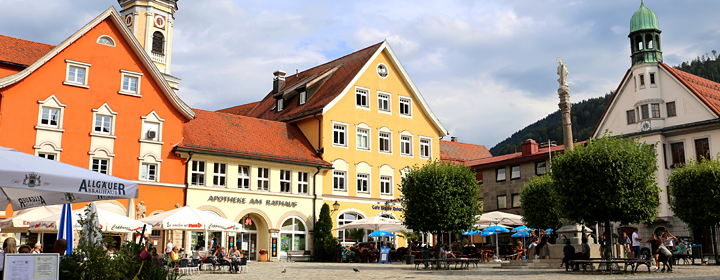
x=347, y=68
x=240, y=110
x=462, y=152
x=707, y=90
x=21, y=52
x=248, y=137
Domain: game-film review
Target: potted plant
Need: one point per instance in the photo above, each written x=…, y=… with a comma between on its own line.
x=242, y=253
x=409, y=237
x=263, y=255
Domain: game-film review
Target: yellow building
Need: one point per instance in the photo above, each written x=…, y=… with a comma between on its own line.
x=364, y=114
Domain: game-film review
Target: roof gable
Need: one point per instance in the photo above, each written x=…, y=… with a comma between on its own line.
x=248, y=137
x=21, y=52
x=115, y=18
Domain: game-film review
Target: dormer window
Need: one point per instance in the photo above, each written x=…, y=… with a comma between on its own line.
x=280, y=105
x=303, y=97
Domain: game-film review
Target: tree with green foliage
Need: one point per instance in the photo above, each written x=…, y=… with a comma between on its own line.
x=694, y=193
x=539, y=205
x=609, y=180
x=357, y=234
x=325, y=243
x=440, y=197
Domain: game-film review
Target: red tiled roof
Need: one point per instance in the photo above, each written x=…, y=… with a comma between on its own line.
x=515, y=158
x=248, y=137
x=21, y=52
x=462, y=152
x=348, y=68
x=241, y=110
x=707, y=90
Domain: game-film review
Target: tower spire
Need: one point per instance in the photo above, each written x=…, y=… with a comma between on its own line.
x=645, y=36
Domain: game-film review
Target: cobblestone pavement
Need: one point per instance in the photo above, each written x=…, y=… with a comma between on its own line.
x=311, y=270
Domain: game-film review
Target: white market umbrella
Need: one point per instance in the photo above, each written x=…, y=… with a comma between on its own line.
x=108, y=222
x=191, y=219
x=21, y=222
x=499, y=218
x=94, y=236
x=28, y=181
x=375, y=223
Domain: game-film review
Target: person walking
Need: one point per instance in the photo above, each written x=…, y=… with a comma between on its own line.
x=654, y=250
x=169, y=247
x=626, y=243
x=636, y=244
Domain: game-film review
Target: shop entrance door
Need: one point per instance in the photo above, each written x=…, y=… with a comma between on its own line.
x=248, y=243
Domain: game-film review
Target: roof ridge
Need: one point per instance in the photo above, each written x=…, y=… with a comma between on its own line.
x=340, y=58
x=16, y=38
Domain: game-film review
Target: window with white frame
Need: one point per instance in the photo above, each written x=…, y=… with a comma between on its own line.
x=425, y=151
x=263, y=179
x=383, y=102
x=244, y=177
x=344, y=235
x=500, y=174
x=102, y=124
x=406, y=145
x=285, y=181
x=405, y=106
x=130, y=82
x=302, y=182
x=515, y=172
x=148, y=172
x=50, y=156
x=100, y=165
x=655, y=109
x=77, y=73
x=197, y=173
x=280, y=106
x=384, y=142
x=362, y=183
x=50, y=117
x=106, y=40
x=361, y=97
x=339, y=181
x=303, y=97
x=385, y=185
x=219, y=174
x=362, y=138
x=340, y=135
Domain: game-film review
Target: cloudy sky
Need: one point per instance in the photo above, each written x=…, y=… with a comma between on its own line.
x=487, y=68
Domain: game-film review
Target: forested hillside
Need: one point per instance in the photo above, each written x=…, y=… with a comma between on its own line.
x=584, y=117
x=586, y=114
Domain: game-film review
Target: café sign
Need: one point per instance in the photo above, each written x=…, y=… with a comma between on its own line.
x=252, y=201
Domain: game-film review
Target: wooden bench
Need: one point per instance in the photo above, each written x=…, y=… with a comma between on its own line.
x=299, y=254
x=634, y=264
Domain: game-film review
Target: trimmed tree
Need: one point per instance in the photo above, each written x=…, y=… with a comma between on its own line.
x=694, y=193
x=538, y=203
x=325, y=243
x=440, y=197
x=609, y=180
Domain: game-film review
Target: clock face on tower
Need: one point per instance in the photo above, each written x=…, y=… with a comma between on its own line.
x=645, y=126
x=159, y=21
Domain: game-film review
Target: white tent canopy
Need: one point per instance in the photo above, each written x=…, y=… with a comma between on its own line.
x=375, y=223
x=28, y=181
x=109, y=222
x=499, y=218
x=21, y=222
x=191, y=219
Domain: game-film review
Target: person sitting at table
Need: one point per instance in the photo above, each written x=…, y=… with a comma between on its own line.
x=584, y=254
x=448, y=253
x=154, y=253
x=174, y=257
x=568, y=254
x=374, y=249
x=520, y=250
x=224, y=260
x=24, y=249
x=37, y=249
x=362, y=249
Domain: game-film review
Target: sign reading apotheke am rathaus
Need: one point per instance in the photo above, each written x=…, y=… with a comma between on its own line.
x=252, y=201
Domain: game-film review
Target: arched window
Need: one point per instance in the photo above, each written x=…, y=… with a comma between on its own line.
x=639, y=42
x=158, y=43
x=293, y=235
x=346, y=218
x=649, y=42
x=106, y=40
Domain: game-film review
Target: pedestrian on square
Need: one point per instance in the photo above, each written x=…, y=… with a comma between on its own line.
x=654, y=250
x=636, y=243
x=568, y=254
x=626, y=243
x=169, y=247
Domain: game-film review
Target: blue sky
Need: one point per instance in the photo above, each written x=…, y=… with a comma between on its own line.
x=487, y=68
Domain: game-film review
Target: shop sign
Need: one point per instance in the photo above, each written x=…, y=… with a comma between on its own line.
x=253, y=201
x=383, y=208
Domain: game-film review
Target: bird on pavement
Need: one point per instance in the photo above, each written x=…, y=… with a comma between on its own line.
x=356, y=270
x=283, y=271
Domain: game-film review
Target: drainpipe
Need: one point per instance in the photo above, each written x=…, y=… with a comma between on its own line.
x=187, y=184
x=319, y=154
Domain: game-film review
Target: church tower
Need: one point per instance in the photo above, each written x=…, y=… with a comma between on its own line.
x=151, y=21
x=645, y=36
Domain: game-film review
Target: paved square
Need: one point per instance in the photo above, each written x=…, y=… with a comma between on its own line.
x=312, y=270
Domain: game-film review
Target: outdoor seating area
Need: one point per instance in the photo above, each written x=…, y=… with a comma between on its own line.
x=609, y=265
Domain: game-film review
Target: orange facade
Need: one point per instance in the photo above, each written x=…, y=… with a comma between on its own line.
x=19, y=113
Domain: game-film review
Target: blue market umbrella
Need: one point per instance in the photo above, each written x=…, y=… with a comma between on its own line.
x=495, y=230
x=471, y=232
x=380, y=233
x=65, y=229
x=548, y=230
x=520, y=234
x=483, y=234
x=523, y=229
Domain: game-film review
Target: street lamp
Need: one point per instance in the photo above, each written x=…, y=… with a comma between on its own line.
x=336, y=206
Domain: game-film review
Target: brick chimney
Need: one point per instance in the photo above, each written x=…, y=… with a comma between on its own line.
x=453, y=139
x=278, y=81
x=529, y=147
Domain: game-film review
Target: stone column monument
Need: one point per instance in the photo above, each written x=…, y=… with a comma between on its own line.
x=565, y=105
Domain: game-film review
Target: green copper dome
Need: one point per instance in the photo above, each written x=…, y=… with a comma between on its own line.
x=644, y=18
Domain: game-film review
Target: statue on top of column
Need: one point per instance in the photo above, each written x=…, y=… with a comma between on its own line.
x=562, y=71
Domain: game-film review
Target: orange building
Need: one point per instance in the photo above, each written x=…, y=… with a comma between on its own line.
x=97, y=100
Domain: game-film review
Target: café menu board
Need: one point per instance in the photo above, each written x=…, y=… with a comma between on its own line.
x=31, y=266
